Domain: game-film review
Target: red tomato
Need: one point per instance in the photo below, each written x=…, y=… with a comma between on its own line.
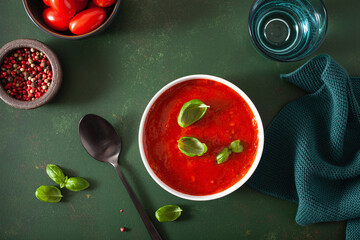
x=81, y=5
x=87, y=20
x=104, y=3
x=66, y=8
x=55, y=21
x=47, y=2
x=108, y=10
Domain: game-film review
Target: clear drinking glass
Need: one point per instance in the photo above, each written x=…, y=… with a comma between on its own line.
x=287, y=30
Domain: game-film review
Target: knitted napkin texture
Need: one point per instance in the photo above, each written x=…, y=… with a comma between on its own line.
x=311, y=152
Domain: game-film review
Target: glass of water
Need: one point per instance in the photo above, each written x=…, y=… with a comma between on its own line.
x=287, y=30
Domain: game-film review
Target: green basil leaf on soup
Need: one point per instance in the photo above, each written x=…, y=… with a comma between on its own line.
x=191, y=146
x=191, y=112
x=56, y=174
x=236, y=146
x=168, y=213
x=48, y=194
x=76, y=184
x=223, y=155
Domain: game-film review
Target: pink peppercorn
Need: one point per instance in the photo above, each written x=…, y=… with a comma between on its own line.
x=122, y=229
x=23, y=72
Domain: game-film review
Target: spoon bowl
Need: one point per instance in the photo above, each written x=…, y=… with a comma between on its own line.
x=100, y=138
x=102, y=142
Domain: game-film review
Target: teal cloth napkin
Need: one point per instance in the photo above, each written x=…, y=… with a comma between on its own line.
x=312, y=148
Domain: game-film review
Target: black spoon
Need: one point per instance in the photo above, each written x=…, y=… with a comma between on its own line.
x=102, y=142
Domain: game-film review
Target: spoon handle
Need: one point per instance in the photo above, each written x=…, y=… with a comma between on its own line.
x=149, y=225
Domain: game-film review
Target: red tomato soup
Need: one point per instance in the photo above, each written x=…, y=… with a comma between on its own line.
x=229, y=118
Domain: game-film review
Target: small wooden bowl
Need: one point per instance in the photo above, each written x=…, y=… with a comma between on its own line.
x=34, y=9
x=55, y=66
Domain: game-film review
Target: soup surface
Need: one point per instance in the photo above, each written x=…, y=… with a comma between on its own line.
x=229, y=118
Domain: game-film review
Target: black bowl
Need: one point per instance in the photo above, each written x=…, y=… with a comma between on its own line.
x=34, y=9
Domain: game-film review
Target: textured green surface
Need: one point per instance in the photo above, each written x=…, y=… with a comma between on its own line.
x=115, y=74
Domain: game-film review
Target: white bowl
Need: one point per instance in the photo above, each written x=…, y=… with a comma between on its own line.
x=233, y=187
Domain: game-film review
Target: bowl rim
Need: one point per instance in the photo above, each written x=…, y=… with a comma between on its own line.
x=233, y=187
x=54, y=33
x=55, y=66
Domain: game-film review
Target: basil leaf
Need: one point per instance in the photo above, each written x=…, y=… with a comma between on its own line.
x=236, y=146
x=48, y=194
x=168, y=213
x=191, y=146
x=76, y=184
x=223, y=155
x=191, y=112
x=56, y=174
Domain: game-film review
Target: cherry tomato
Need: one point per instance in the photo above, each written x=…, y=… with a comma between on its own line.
x=87, y=20
x=104, y=3
x=108, y=10
x=66, y=8
x=81, y=5
x=47, y=2
x=55, y=21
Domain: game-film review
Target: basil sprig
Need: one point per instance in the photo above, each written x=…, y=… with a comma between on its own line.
x=191, y=146
x=48, y=194
x=53, y=194
x=191, y=112
x=168, y=213
x=73, y=183
x=56, y=174
x=235, y=147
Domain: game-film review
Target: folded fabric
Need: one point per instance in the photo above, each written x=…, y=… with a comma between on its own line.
x=312, y=148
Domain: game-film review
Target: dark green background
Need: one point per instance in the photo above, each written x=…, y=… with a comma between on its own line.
x=115, y=74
